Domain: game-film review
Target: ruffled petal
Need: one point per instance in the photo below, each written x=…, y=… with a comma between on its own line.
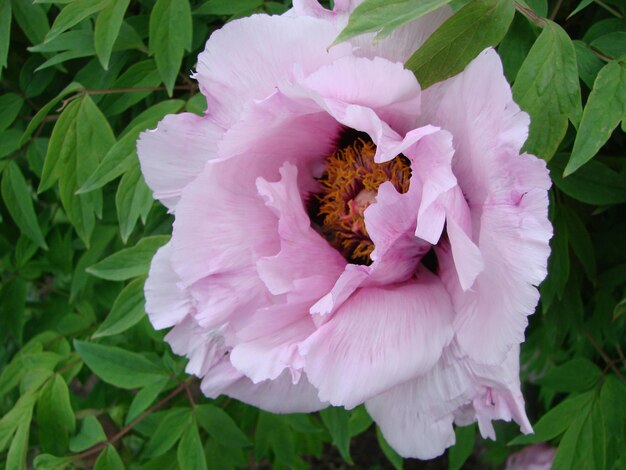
x=236, y=47
x=166, y=303
x=379, y=338
x=174, y=154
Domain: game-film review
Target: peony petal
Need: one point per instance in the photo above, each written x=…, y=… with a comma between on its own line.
x=379, y=338
x=175, y=153
x=236, y=47
x=166, y=303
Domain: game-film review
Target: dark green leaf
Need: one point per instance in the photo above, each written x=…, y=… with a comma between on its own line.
x=227, y=7
x=479, y=24
x=612, y=44
x=129, y=262
x=10, y=105
x=140, y=75
x=170, y=35
x=190, y=452
x=109, y=459
x=12, y=308
x=91, y=433
x=336, y=421
x=32, y=20
x=169, y=430
x=144, y=399
x=463, y=447
x=576, y=375
x=19, y=202
x=133, y=200
x=119, y=367
x=605, y=108
x=547, y=88
x=389, y=452
x=220, y=426
x=383, y=16
x=589, y=64
x=5, y=32
x=580, y=241
x=108, y=26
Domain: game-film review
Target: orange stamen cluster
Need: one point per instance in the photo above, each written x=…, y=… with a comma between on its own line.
x=349, y=185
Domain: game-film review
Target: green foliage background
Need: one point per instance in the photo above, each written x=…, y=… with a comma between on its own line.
x=86, y=382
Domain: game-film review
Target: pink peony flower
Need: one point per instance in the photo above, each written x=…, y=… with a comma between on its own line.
x=342, y=236
x=535, y=457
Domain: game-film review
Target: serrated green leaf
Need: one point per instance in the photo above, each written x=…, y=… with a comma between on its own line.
x=127, y=310
x=556, y=421
x=220, y=426
x=547, y=88
x=119, y=367
x=605, y=108
x=124, y=153
x=55, y=417
x=108, y=26
x=129, y=262
x=19, y=202
x=479, y=24
x=170, y=35
x=383, y=16
x=336, y=421
x=463, y=447
x=10, y=105
x=594, y=183
x=91, y=433
x=5, y=32
x=190, y=452
x=109, y=459
x=72, y=14
x=168, y=432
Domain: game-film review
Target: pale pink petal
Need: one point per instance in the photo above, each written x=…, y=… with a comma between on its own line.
x=378, y=339
x=238, y=47
x=175, y=153
x=166, y=303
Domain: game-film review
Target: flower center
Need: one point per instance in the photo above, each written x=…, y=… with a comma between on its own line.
x=349, y=185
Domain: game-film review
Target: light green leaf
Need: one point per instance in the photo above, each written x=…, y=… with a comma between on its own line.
x=108, y=26
x=119, y=367
x=127, y=310
x=133, y=200
x=336, y=421
x=604, y=110
x=19, y=202
x=109, y=459
x=5, y=33
x=359, y=422
x=576, y=375
x=129, y=262
x=463, y=447
x=167, y=433
x=55, y=416
x=383, y=16
x=22, y=411
x=611, y=44
x=548, y=89
x=123, y=154
x=10, y=105
x=190, y=452
x=72, y=14
x=144, y=399
x=170, y=35
x=479, y=24
x=220, y=426
x=91, y=433
x=51, y=462
x=16, y=457
x=140, y=75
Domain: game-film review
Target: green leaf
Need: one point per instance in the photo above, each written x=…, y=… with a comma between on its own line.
x=5, y=33
x=582, y=5
x=123, y=154
x=559, y=263
x=16, y=457
x=109, y=459
x=12, y=308
x=556, y=421
x=19, y=202
x=21, y=412
x=604, y=110
x=91, y=433
x=576, y=375
x=359, y=422
x=336, y=421
x=589, y=64
x=108, y=26
x=515, y=46
x=144, y=399
x=220, y=426
x=611, y=44
x=119, y=367
x=51, y=462
x=101, y=239
x=390, y=453
x=72, y=14
x=273, y=434
x=55, y=416
x=463, y=447
x=170, y=35
x=227, y=7
x=580, y=241
x=127, y=310
x=9, y=142
x=140, y=75
x=129, y=262
x=190, y=452
x=479, y=24
x=32, y=19
x=547, y=87
x=10, y=105
x=383, y=16
x=613, y=407
x=167, y=433
x=594, y=183
x=133, y=200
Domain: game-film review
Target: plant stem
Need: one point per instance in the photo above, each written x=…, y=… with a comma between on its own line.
x=604, y=355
